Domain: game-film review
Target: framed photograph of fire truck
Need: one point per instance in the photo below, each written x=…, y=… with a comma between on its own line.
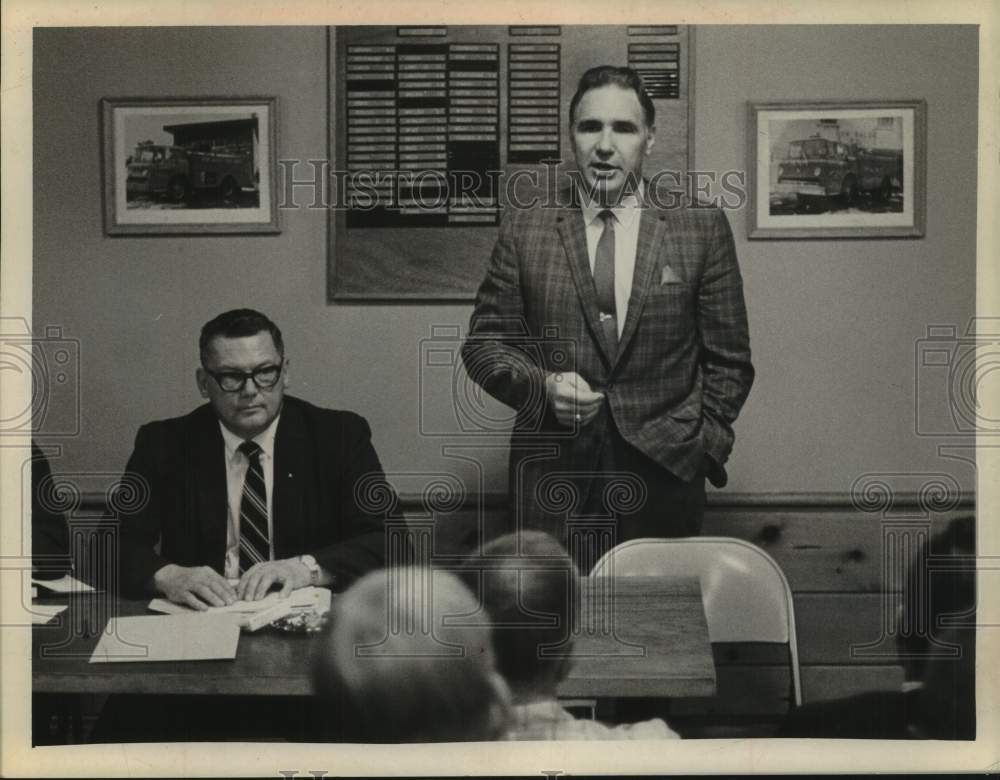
x=189, y=165
x=837, y=169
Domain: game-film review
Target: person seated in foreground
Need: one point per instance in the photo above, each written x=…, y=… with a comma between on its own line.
x=524, y=577
x=938, y=697
x=390, y=669
x=253, y=489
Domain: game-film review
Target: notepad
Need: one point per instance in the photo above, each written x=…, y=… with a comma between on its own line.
x=309, y=597
x=191, y=637
x=65, y=584
x=43, y=613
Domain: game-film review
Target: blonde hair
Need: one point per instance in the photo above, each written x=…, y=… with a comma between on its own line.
x=398, y=665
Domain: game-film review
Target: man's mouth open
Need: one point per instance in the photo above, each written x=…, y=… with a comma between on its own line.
x=603, y=169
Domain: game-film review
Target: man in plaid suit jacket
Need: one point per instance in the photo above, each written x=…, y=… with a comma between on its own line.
x=625, y=387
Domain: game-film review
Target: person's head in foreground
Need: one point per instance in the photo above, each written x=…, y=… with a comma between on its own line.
x=528, y=585
x=612, y=128
x=389, y=668
x=522, y=579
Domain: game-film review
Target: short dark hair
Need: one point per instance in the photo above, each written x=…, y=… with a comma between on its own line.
x=410, y=685
x=237, y=323
x=523, y=578
x=626, y=78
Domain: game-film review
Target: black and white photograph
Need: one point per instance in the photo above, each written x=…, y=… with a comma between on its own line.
x=552, y=394
x=189, y=165
x=829, y=169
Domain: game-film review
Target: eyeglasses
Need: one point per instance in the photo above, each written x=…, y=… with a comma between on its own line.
x=264, y=378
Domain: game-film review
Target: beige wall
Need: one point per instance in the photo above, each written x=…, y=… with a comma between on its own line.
x=833, y=323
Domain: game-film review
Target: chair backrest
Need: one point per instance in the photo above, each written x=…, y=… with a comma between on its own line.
x=746, y=595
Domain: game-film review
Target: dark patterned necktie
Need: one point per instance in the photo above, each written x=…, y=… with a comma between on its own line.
x=254, y=541
x=604, y=280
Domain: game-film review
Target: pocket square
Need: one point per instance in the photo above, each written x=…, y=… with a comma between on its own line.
x=669, y=276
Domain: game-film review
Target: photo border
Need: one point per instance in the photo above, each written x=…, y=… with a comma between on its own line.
x=113, y=226
x=757, y=230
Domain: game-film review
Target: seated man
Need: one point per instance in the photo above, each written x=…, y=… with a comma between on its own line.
x=384, y=672
x=50, y=558
x=525, y=577
x=936, y=639
x=254, y=488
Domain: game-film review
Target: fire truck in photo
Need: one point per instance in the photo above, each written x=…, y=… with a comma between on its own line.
x=220, y=157
x=819, y=168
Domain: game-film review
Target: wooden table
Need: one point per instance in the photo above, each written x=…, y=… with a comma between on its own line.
x=659, y=646
x=635, y=636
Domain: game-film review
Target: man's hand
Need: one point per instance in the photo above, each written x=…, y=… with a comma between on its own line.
x=257, y=580
x=571, y=399
x=715, y=472
x=200, y=587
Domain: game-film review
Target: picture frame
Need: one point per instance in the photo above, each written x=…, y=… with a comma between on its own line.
x=837, y=169
x=189, y=165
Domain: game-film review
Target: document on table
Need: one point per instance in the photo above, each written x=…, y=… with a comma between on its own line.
x=65, y=584
x=308, y=598
x=43, y=613
x=192, y=637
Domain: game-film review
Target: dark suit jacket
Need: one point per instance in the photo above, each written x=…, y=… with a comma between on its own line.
x=49, y=531
x=682, y=370
x=330, y=495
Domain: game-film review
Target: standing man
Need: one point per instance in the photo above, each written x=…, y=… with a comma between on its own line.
x=255, y=488
x=618, y=331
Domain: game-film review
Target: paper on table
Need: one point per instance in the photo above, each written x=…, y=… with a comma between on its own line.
x=65, y=584
x=43, y=613
x=309, y=597
x=194, y=637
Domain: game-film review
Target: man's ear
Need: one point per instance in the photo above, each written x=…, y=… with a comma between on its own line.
x=284, y=373
x=202, y=378
x=650, y=139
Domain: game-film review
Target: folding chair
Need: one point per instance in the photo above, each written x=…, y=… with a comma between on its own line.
x=746, y=595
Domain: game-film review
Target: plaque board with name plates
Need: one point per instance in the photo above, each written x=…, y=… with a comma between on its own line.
x=435, y=130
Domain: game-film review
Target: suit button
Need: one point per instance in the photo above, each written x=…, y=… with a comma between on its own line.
x=611, y=386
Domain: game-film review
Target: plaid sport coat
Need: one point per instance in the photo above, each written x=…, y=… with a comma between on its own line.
x=682, y=371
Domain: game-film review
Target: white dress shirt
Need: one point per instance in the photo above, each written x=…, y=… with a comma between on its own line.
x=236, y=469
x=626, y=214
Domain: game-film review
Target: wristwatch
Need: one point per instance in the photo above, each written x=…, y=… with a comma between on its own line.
x=310, y=563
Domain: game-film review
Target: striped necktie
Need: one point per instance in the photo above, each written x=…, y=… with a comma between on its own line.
x=255, y=544
x=604, y=280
